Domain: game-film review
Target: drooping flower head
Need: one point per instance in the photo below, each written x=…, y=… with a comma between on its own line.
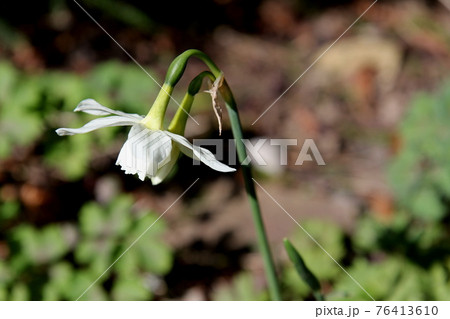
x=150, y=151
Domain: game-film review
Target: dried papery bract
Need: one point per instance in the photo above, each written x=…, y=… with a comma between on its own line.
x=213, y=91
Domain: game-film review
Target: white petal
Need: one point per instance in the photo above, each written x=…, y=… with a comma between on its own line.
x=162, y=173
x=93, y=107
x=96, y=124
x=144, y=152
x=199, y=153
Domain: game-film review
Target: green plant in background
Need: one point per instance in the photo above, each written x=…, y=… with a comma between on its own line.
x=420, y=174
x=19, y=120
x=412, y=258
x=303, y=271
x=409, y=251
x=125, y=12
x=241, y=288
x=28, y=104
x=405, y=257
x=325, y=270
x=59, y=261
x=387, y=271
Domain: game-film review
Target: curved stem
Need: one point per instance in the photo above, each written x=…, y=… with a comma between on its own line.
x=178, y=123
x=174, y=74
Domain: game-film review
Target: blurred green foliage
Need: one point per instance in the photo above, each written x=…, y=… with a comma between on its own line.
x=33, y=106
x=320, y=263
x=242, y=288
x=404, y=257
x=60, y=261
x=302, y=269
x=390, y=266
x=124, y=12
x=420, y=174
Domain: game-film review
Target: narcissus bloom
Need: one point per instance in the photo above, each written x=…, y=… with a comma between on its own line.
x=147, y=152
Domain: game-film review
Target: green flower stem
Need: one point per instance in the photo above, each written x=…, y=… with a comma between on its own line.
x=174, y=74
x=236, y=128
x=178, y=123
x=155, y=117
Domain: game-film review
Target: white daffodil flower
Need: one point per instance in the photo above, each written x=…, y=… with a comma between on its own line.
x=151, y=153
